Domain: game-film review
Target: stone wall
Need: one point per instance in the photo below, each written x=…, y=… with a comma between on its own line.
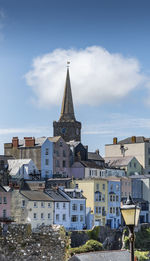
x=46, y=243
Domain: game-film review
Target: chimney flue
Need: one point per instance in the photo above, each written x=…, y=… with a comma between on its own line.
x=15, y=142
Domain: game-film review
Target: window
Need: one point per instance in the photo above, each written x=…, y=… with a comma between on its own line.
x=149, y=161
x=130, y=164
x=74, y=218
x=5, y=200
x=49, y=215
x=57, y=217
x=64, y=205
x=104, y=186
x=64, y=163
x=57, y=153
x=4, y=213
x=81, y=207
x=117, y=187
x=46, y=174
x=113, y=210
x=23, y=203
x=98, y=210
x=134, y=164
x=34, y=215
x=42, y=205
x=148, y=150
x=64, y=217
x=46, y=151
x=113, y=197
x=110, y=197
x=117, y=211
x=49, y=205
x=74, y=207
x=98, y=196
x=117, y=198
x=81, y=218
x=103, y=198
x=57, y=163
x=46, y=162
x=110, y=210
x=60, y=144
x=42, y=216
x=97, y=186
x=35, y=204
x=57, y=205
x=64, y=153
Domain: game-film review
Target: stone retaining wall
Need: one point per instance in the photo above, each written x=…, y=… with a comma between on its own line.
x=21, y=244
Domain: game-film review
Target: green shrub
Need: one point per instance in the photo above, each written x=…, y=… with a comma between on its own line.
x=90, y=245
x=94, y=233
x=142, y=255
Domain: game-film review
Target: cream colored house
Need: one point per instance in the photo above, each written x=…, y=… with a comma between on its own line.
x=139, y=147
x=34, y=207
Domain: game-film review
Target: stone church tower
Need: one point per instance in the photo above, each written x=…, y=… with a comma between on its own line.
x=67, y=127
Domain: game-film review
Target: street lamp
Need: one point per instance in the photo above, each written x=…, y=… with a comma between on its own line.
x=130, y=213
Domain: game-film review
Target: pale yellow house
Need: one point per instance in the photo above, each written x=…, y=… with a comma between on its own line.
x=95, y=191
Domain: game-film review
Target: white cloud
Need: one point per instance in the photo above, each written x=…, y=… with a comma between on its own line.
x=17, y=131
x=97, y=76
x=126, y=126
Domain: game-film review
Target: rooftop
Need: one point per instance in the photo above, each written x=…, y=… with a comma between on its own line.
x=55, y=195
x=118, y=161
x=35, y=195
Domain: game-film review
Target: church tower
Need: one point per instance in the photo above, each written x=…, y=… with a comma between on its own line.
x=67, y=127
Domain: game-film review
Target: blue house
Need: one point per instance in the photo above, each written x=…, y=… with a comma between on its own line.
x=77, y=208
x=114, y=201
x=47, y=159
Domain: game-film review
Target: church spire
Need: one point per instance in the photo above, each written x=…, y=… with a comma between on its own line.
x=67, y=110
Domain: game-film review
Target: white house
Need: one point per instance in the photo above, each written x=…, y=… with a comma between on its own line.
x=61, y=208
x=34, y=207
x=22, y=169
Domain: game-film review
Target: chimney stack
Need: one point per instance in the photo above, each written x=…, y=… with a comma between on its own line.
x=97, y=151
x=115, y=140
x=15, y=142
x=133, y=139
x=29, y=141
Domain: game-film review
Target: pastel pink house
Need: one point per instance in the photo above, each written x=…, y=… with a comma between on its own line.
x=5, y=196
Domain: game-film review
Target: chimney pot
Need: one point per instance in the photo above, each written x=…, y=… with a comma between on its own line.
x=133, y=139
x=115, y=140
x=15, y=142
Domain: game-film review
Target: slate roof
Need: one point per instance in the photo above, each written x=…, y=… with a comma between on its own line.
x=91, y=164
x=35, y=195
x=38, y=142
x=118, y=161
x=113, y=255
x=56, y=196
x=69, y=191
x=140, y=176
x=139, y=139
x=94, y=156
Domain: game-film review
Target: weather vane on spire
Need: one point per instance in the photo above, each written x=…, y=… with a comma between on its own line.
x=68, y=63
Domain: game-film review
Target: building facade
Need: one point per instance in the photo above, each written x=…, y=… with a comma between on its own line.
x=139, y=147
x=114, y=201
x=77, y=208
x=95, y=191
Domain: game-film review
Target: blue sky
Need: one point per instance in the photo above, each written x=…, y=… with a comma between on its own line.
x=107, y=43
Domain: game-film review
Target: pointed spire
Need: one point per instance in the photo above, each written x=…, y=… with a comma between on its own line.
x=67, y=110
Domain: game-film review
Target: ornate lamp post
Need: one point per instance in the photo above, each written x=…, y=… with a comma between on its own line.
x=130, y=213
